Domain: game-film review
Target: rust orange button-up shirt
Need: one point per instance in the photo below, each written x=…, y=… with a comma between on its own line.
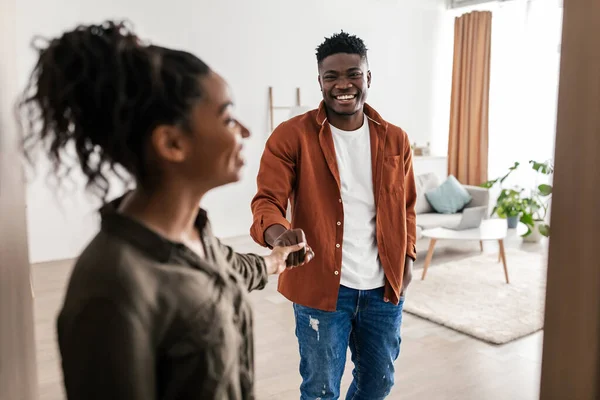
x=299, y=164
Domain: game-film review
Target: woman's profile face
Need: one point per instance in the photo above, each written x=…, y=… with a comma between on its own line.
x=210, y=153
x=218, y=133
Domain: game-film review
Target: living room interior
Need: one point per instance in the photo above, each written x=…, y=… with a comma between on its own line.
x=475, y=86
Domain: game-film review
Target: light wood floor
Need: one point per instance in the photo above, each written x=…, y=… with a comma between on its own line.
x=435, y=363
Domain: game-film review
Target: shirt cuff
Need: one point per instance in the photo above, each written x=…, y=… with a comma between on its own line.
x=264, y=223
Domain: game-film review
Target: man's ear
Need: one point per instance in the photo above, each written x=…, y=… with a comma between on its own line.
x=320, y=82
x=168, y=142
x=369, y=79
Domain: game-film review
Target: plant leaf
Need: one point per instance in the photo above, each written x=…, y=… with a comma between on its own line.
x=494, y=211
x=527, y=219
x=503, y=194
x=543, y=168
x=545, y=190
x=544, y=229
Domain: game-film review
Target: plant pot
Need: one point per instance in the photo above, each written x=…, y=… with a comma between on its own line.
x=535, y=236
x=512, y=222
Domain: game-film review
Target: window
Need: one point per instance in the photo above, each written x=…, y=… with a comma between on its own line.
x=524, y=77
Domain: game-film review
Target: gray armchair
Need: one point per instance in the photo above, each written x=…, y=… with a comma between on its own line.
x=427, y=218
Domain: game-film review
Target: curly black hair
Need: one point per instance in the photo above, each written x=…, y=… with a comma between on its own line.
x=97, y=92
x=341, y=43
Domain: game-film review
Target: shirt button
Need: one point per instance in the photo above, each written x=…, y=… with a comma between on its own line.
x=385, y=299
x=337, y=245
x=337, y=272
x=339, y=223
x=340, y=200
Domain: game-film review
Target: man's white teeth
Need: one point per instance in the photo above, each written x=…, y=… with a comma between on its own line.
x=346, y=97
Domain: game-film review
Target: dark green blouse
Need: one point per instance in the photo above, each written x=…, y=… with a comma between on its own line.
x=146, y=318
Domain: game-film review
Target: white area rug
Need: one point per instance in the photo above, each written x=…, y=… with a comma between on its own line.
x=472, y=297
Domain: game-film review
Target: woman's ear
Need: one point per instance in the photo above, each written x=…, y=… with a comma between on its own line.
x=169, y=143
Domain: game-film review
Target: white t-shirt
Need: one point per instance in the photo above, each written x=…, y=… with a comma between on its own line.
x=361, y=268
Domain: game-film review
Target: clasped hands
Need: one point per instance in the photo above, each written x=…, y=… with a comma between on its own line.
x=290, y=250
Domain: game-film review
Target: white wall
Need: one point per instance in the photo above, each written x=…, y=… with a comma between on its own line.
x=253, y=44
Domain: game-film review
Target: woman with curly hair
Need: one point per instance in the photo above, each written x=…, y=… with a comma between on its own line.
x=156, y=306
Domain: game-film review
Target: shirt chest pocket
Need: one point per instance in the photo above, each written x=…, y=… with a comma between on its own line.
x=393, y=174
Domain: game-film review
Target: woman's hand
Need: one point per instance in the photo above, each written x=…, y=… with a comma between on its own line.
x=276, y=261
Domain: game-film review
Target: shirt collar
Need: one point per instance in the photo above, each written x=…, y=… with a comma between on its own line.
x=140, y=236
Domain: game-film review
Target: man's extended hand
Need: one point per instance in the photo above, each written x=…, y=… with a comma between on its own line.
x=407, y=277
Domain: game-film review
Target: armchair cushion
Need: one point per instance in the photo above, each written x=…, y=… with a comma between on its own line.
x=448, y=198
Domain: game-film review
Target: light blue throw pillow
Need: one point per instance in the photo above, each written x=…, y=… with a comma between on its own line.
x=448, y=198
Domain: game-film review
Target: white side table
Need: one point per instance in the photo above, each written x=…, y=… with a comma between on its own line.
x=491, y=229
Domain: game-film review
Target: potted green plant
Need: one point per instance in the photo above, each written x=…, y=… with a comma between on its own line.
x=531, y=210
x=509, y=205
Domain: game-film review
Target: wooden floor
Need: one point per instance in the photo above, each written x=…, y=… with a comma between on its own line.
x=435, y=363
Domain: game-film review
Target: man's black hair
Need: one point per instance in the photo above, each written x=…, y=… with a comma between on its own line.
x=341, y=43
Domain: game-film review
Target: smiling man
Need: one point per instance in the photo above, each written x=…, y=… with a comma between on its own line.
x=348, y=175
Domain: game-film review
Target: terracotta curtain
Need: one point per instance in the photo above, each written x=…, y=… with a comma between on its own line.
x=468, y=138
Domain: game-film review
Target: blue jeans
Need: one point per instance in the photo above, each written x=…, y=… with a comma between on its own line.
x=363, y=321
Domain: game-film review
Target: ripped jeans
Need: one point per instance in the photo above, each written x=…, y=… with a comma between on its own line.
x=363, y=322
